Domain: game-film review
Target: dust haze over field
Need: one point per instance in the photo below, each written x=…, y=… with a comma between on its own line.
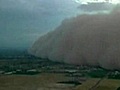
x=88, y=39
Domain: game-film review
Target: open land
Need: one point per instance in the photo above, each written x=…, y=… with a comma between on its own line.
x=49, y=82
x=30, y=73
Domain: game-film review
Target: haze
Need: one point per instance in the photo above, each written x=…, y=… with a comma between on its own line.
x=88, y=39
x=23, y=21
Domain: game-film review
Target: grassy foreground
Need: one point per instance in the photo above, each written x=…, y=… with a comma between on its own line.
x=106, y=84
x=47, y=81
x=28, y=82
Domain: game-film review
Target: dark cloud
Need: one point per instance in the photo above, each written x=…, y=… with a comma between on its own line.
x=22, y=21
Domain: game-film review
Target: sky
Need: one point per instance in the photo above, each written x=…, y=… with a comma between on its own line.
x=22, y=22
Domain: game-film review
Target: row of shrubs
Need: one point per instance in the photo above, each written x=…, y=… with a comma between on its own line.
x=102, y=73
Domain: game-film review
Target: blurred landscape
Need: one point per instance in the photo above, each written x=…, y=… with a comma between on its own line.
x=82, y=37
x=21, y=71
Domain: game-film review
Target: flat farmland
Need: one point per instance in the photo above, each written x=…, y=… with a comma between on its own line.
x=32, y=82
x=48, y=81
x=106, y=84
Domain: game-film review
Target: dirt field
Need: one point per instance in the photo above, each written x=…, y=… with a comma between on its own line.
x=36, y=82
x=107, y=84
x=49, y=82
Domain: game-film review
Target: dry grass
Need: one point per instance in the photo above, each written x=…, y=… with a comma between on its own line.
x=48, y=82
x=29, y=82
x=107, y=84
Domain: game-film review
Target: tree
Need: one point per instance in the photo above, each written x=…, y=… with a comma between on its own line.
x=118, y=88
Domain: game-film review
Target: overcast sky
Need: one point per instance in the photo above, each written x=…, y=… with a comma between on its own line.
x=23, y=21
